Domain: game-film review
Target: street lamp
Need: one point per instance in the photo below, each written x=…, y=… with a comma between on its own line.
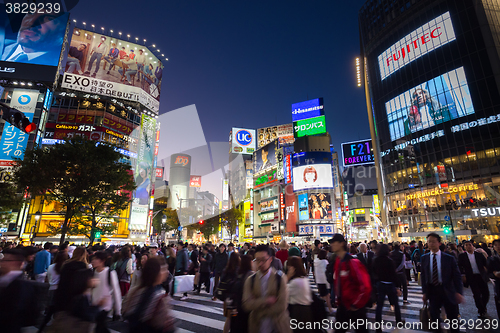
x=38, y=215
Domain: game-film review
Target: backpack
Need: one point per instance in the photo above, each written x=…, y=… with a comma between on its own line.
x=224, y=289
x=416, y=256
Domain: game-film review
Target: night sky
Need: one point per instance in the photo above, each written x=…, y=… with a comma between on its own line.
x=243, y=63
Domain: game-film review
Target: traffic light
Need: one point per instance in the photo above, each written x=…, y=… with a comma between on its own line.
x=17, y=119
x=446, y=229
x=96, y=234
x=201, y=222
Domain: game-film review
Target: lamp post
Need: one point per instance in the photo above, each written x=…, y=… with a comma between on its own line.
x=38, y=215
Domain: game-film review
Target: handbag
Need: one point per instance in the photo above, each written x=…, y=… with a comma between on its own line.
x=408, y=264
x=425, y=317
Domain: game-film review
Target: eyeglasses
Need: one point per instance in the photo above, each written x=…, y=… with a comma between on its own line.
x=261, y=260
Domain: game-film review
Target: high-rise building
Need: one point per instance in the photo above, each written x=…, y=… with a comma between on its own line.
x=431, y=72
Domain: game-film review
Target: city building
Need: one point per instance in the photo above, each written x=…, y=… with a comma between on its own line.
x=430, y=72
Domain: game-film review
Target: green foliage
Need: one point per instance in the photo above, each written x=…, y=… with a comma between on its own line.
x=9, y=200
x=231, y=219
x=77, y=173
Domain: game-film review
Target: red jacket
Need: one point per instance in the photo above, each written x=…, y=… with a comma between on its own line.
x=282, y=255
x=355, y=284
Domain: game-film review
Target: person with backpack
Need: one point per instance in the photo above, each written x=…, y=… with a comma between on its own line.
x=146, y=307
x=107, y=288
x=124, y=270
x=384, y=271
x=299, y=293
x=224, y=289
x=265, y=296
x=352, y=286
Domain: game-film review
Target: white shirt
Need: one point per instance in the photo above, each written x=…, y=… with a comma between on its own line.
x=473, y=263
x=438, y=259
x=19, y=50
x=320, y=271
x=53, y=277
x=103, y=289
x=100, y=47
x=140, y=58
x=299, y=291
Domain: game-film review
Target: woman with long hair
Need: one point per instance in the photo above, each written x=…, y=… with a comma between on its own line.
x=384, y=271
x=124, y=270
x=239, y=318
x=80, y=254
x=320, y=264
x=136, y=278
x=227, y=280
x=146, y=307
x=299, y=291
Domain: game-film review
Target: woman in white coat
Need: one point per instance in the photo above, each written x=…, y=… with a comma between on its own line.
x=320, y=264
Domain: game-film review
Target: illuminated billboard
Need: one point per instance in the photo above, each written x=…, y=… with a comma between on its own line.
x=303, y=207
x=283, y=133
x=312, y=170
x=265, y=158
x=31, y=43
x=113, y=67
x=357, y=153
x=423, y=40
x=307, y=109
x=320, y=206
x=243, y=141
x=436, y=101
x=195, y=181
x=310, y=126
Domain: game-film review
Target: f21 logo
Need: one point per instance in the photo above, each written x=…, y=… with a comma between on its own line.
x=181, y=160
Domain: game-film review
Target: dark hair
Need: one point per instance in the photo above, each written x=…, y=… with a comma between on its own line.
x=47, y=246
x=322, y=254
x=262, y=248
x=383, y=250
x=353, y=249
x=222, y=244
x=63, y=247
x=17, y=254
x=81, y=281
x=230, y=244
x=251, y=252
x=151, y=270
x=436, y=236
x=59, y=260
x=124, y=253
x=496, y=241
x=233, y=263
x=100, y=256
x=205, y=247
x=317, y=242
x=272, y=253
x=245, y=264
x=296, y=262
x=68, y=283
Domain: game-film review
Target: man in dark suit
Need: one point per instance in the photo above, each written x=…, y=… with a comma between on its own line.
x=474, y=274
x=366, y=257
x=441, y=281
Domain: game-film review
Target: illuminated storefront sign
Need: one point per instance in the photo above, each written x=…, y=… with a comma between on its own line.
x=357, y=153
x=417, y=43
x=491, y=211
x=266, y=179
x=454, y=189
x=243, y=141
x=423, y=138
x=376, y=204
x=307, y=109
x=310, y=126
x=359, y=211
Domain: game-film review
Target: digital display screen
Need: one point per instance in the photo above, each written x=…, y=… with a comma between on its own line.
x=310, y=126
x=307, y=109
x=312, y=176
x=423, y=40
x=436, y=101
x=357, y=153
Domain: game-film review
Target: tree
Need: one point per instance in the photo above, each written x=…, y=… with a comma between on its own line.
x=9, y=200
x=77, y=173
x=210, y=226
x=231, y=219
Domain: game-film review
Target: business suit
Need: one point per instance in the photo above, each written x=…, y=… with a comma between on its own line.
x=477, y=282
x=444, y=292
x=366, y=261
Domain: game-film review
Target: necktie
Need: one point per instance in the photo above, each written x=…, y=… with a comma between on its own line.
x=435, y=276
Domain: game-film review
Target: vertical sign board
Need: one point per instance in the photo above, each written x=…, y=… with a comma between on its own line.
x=279, y=160
x=291, y=209
x=303, y=207
x=14, y=141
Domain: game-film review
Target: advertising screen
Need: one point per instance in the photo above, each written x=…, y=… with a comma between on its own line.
x=291, y=209
x=436, y=101
x=265, y=157
x=310, y=126
x=30, y=44
x=113, y=67
x=13, y=141
x=303, y=207
x=312, y=176
x=307, y=109
x=144, y=174
x=320, y=206
x=243, y=141
x=423, y=40
x=357, y=153
x=284, y=134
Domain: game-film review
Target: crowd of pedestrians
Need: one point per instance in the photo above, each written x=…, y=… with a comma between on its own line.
x=264, y=288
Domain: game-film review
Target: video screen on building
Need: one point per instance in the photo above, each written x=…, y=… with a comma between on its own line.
x=436, y=101
x=284, y=134
x=113, y=67
x=265, y=157
x=31, y=39
x=320, y=206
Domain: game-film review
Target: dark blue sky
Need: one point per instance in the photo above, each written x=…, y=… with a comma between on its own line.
x=243, y=63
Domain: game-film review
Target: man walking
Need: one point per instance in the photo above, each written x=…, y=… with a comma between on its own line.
x=494, y=271
x=42, y=263
x=205, y=264
x=220, y=263
x=181, y=264
x=265, y=297
x=441, y=282
x=473, y=267
x=399, y=259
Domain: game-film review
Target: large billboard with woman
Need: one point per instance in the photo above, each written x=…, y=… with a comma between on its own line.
x=436, y=101
x=113, y=67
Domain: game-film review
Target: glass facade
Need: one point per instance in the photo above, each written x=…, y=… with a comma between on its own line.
x=436, y=114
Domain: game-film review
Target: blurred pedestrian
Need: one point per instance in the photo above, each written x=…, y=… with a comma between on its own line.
x=42, y=263
x=239, y=317
x=124, y=270
x=282, y=254
x=220, y=262
x=299, y=291
x=494, y=272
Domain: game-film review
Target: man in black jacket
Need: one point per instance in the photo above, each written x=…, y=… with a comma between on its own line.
x=220, y=262
x=193, y=263
x=399, y=261
x=205, y=270
x=494, y=272
x=474, y=274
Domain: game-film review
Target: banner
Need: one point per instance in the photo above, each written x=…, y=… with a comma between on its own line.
x=282, y=133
